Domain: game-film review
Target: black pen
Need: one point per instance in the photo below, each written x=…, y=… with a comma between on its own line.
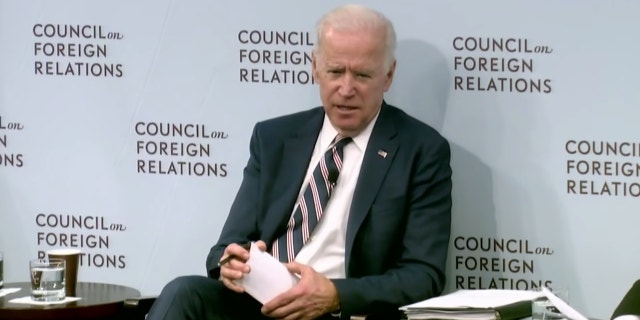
x=246, y=246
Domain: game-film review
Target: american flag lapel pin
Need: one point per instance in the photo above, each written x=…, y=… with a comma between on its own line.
x=382, y=153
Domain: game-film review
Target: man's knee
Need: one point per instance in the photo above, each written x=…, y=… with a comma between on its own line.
x=185, y=285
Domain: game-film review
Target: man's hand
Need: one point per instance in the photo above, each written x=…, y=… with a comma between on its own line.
x=312, y=297
x=236, y=267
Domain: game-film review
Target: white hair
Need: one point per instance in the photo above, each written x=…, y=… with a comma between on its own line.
x=353, y=16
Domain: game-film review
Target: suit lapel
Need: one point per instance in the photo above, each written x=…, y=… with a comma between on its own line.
x=378, y=156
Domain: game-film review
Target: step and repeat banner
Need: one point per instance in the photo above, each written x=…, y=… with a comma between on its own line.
x=124, y=130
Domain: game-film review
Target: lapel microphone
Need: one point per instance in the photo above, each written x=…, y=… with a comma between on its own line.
x=333, y=177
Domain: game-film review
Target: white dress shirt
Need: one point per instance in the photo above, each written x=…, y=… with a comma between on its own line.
x=324, y=251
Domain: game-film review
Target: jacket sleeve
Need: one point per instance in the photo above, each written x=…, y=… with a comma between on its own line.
x=241, y=223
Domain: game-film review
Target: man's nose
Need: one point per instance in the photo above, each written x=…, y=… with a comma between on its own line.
x=347, y=88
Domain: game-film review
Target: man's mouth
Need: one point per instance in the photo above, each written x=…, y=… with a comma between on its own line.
x=345, y=108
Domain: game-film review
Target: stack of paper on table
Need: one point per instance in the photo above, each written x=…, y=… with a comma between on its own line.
x=489, y=304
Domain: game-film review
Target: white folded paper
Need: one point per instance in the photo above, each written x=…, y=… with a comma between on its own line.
x=28, y=300
x=268, y=277
x=483, y=299
x=6, y=291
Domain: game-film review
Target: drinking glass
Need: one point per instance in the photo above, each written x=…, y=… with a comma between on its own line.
x=47, y=279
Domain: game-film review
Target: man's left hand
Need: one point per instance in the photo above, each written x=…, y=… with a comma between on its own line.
x=312, y=297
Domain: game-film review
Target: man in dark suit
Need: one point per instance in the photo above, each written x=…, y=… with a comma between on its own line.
x=382, y=238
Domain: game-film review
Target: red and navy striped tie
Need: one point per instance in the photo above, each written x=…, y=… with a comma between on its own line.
x=311, y=203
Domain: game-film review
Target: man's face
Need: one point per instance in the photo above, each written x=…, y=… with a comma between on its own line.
x=352, y=74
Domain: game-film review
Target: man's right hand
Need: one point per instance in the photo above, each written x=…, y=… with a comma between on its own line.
x=236, y=267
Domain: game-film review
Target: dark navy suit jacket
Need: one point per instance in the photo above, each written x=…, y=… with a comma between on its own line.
x=400, y=217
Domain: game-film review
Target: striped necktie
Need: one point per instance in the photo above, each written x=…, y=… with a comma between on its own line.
x=311, y=203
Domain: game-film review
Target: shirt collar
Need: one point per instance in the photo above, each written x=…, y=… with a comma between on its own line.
x=328, y=133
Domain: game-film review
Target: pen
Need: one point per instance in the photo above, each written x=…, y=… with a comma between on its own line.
x=246, y=246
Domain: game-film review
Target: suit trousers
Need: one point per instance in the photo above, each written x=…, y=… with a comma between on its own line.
x=200, y=298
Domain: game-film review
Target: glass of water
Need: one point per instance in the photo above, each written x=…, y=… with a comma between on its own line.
x=47, y=279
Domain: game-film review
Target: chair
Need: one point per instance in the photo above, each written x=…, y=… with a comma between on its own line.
x=630, y=304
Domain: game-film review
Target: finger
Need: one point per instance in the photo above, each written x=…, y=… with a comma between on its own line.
x=280, y=312
x=232, y=252
x=236, y=250
x=234, y=269
x=283, y=301
x=238, y=265
x=231, y=285
x=231, y=274
x=261, y=245
x=295, y=313
x=295, y=267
